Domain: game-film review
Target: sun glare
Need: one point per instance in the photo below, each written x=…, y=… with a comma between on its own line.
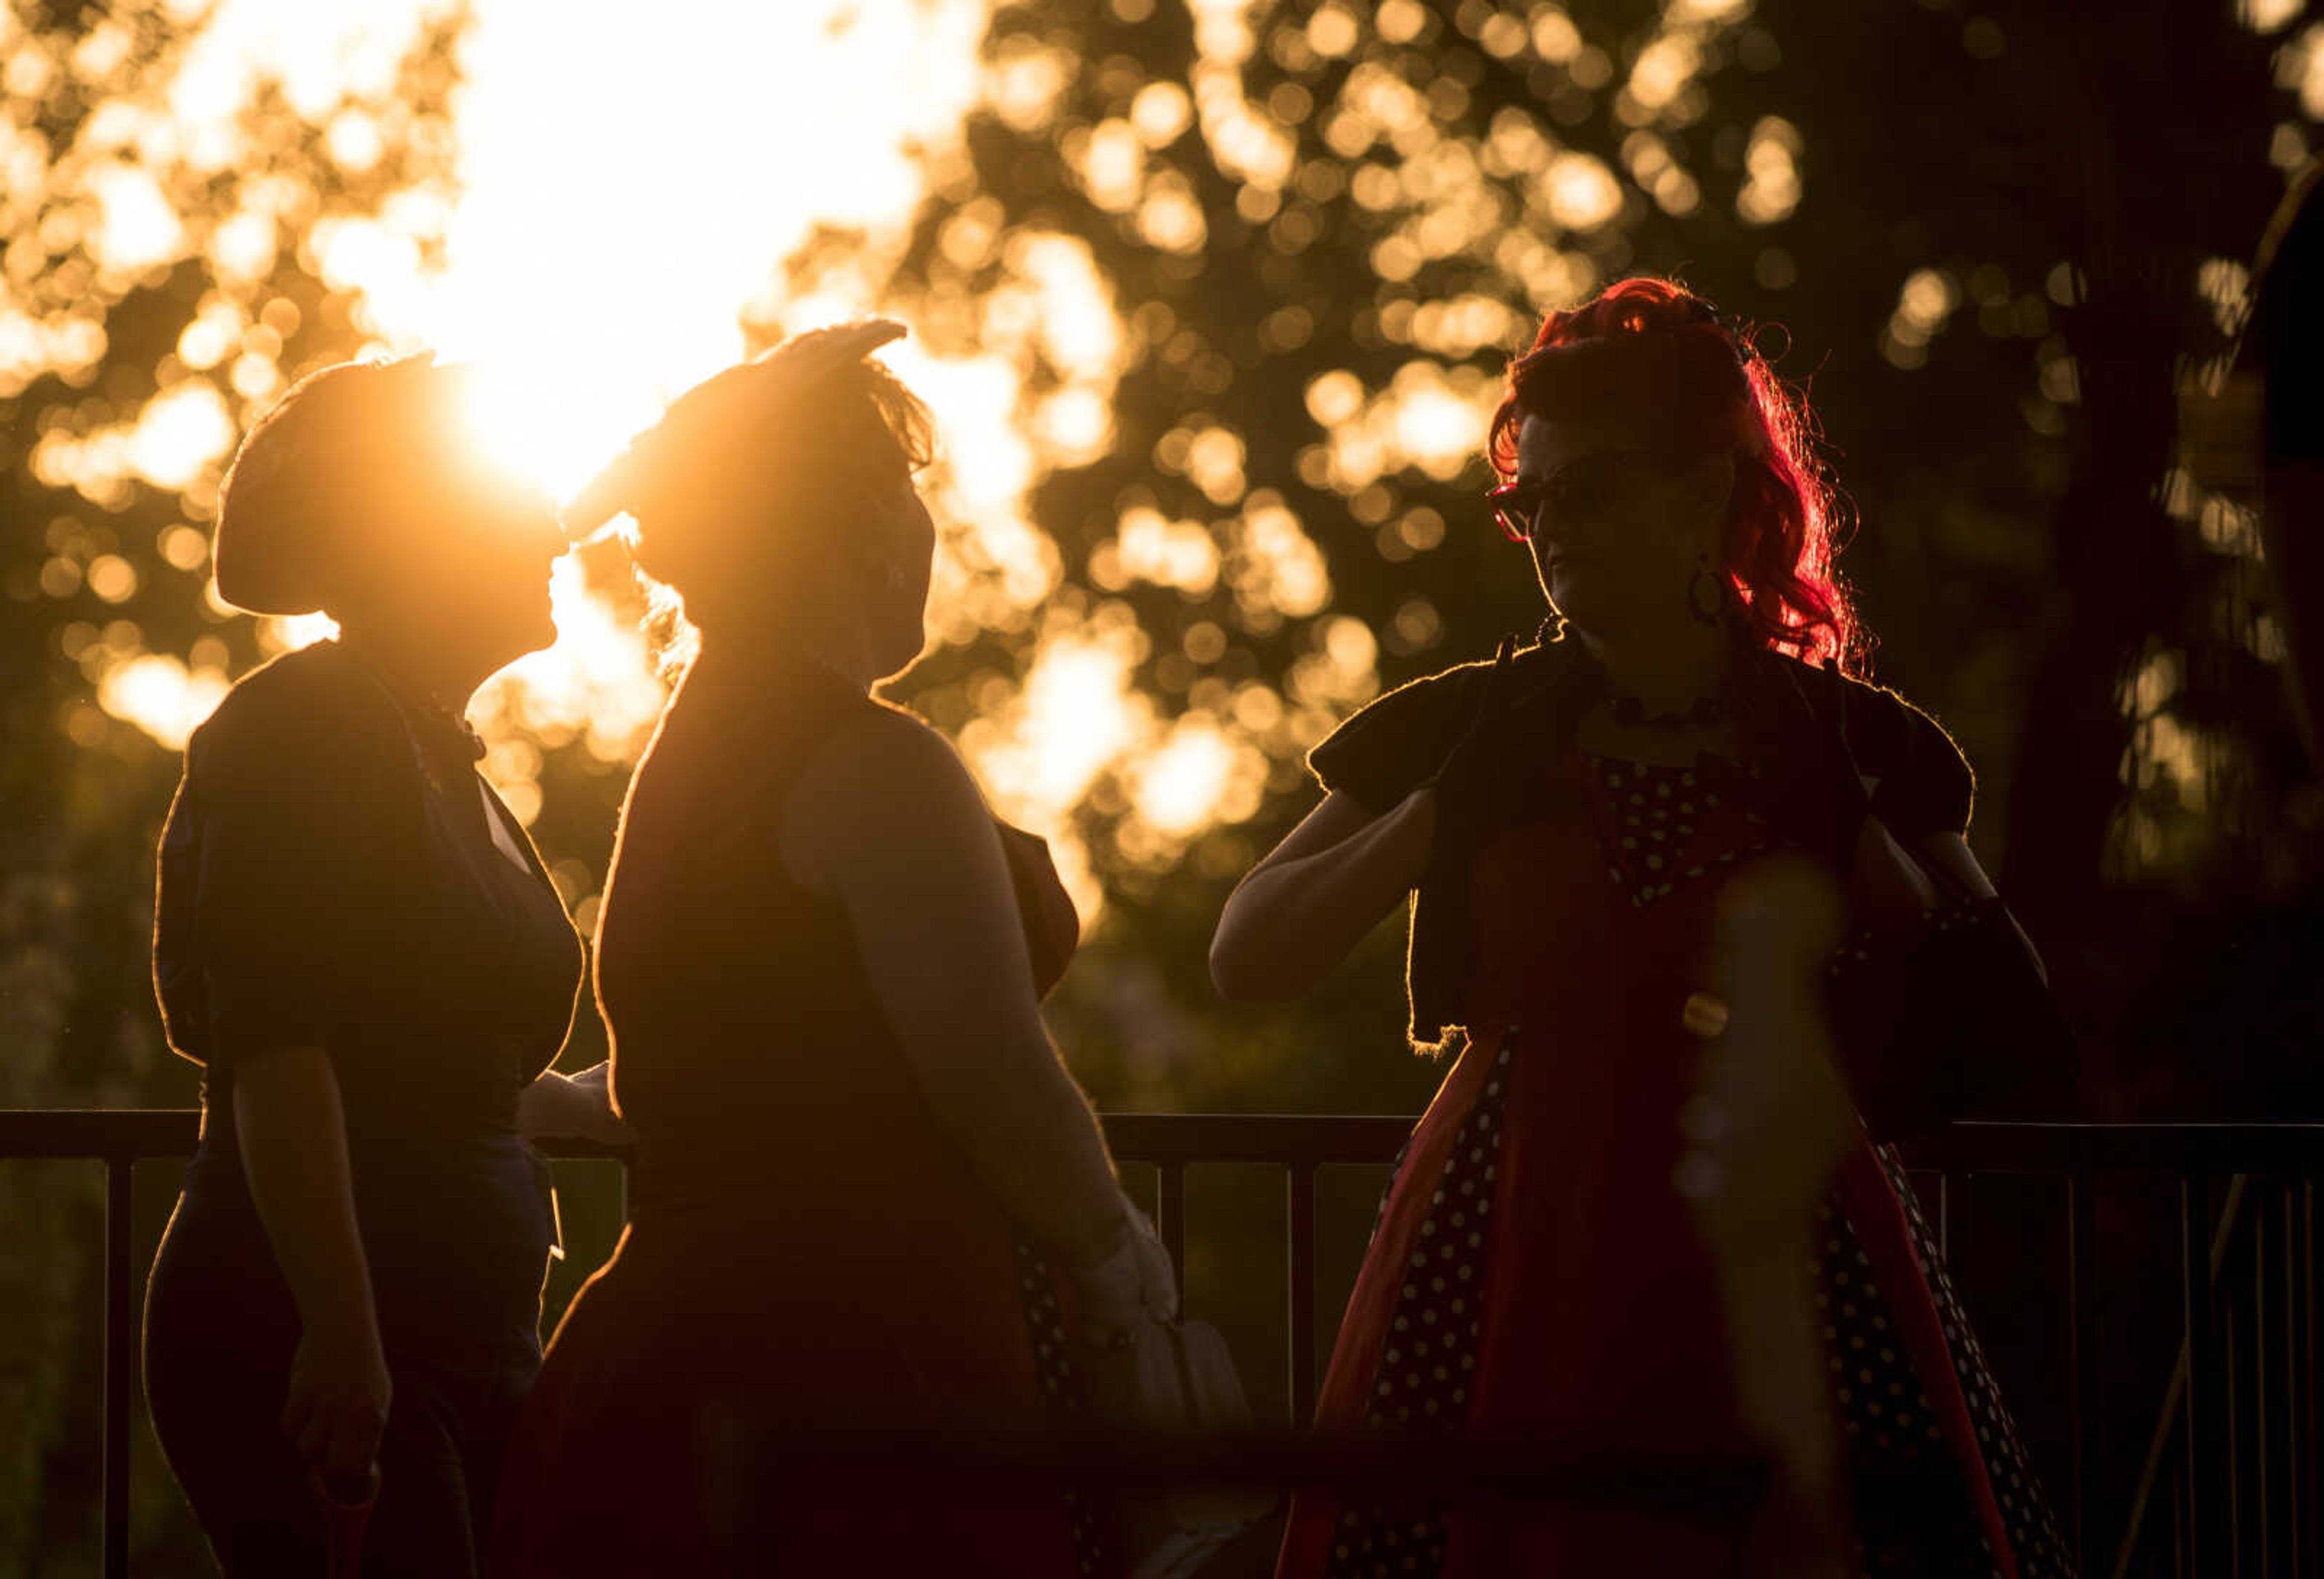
x=604, y=215
x=628, y=193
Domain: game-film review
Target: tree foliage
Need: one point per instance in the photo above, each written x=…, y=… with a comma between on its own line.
x=1263, y=262
x=164, y=232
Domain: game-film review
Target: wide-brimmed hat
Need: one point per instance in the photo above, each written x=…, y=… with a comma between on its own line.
x=340, y=471
x=705, y=429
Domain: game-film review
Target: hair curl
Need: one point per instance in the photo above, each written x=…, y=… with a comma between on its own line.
x=1783, y=528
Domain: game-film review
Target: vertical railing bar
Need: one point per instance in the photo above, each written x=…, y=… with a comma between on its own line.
x=1958, y=1230
x=2227, y=1457
x=2169, y=1422
x=2230, y=1396
x=120, y=1362
x=2209, y=1512
x=1300, y=1207
x=1170, y=1212
x=2194, y=1317
x=2262, y=1418
x=2082, y=1295
x=2292, y=1367
x=2309, y=1491
x=2199, y=1269
x=2181, y=1559
x=2212, y=1492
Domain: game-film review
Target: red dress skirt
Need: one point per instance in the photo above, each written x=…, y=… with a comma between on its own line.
x=1537, y=1277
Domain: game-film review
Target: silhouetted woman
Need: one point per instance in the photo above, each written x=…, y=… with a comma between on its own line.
x=1544, y=1270
x=356, y=941
x=858, y=1156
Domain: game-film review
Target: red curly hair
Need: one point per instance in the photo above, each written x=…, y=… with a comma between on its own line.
x=1712, y=385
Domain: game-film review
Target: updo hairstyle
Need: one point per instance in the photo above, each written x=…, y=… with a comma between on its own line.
x=1655, y=356
x=744, y=492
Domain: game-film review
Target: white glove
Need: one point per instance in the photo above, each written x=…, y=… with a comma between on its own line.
x=1127, y=1286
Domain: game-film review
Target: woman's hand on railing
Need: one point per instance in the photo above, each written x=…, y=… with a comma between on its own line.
x=571, y=1107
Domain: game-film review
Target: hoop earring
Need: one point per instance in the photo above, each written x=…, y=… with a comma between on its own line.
x=1695, y=610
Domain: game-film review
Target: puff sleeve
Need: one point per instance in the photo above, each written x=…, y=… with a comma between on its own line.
x=1387, y=749
x=287, y=860
x=1925, y=784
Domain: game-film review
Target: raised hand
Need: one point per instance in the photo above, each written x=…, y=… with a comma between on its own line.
x=1455, y=791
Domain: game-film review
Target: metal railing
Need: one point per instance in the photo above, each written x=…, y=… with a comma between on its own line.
x=2242, y=1411
x=2234, y=1446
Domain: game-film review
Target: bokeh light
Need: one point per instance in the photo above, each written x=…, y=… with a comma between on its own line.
x=601, y=216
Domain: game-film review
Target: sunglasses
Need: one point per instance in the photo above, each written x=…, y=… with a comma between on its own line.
x=1577, y=489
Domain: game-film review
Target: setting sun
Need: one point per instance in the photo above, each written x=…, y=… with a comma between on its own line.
x=597, y=218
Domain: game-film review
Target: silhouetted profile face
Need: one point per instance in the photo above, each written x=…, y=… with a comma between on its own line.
x=776, y=498
x=1647, y=366
x=476, y=577
x=1616, y=530
x=899, y=539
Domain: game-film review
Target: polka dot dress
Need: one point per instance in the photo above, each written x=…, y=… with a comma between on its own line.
x=1914, y=1504
x=2025, y=1514
x=1045, y=1325
x=1916, y=1501
x=1914, y=1509
x=1430, y=1359
x=1660, y=835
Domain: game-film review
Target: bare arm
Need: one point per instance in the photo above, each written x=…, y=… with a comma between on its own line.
x=886, y=820
x=1314, y=896
x=292, y=1133
x=1951, y=854
x=1891, y=892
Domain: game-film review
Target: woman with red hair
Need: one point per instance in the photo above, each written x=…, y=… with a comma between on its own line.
x=1633, y=846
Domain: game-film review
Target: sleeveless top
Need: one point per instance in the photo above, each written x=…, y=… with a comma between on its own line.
x=737, y=999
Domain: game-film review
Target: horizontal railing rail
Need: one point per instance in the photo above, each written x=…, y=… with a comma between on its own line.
x=2077, y=1153
x=93, y=1134
x=1465, y=1471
